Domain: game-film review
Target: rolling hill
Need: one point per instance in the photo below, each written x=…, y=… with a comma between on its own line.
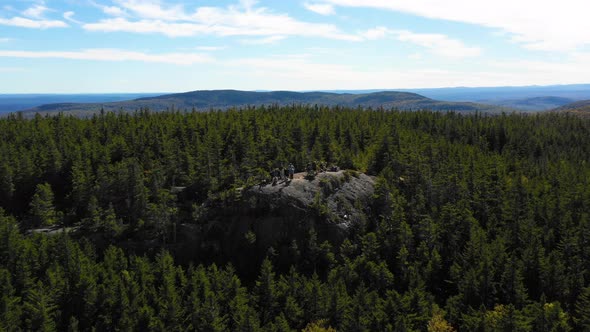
x=581, y=108
x=224, y=99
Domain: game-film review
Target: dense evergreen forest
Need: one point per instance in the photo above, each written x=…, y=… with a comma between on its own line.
x=478, y=223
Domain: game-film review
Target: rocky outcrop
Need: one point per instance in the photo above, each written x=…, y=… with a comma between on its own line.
x=275, y=215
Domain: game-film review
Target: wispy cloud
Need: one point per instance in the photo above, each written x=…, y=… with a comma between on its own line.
x=302, y=72
x=320, y=8
x=295, y=72
x=235, y=20
x=113, y=10
x=35, y=11
x=69, y=16
x=263, y=41
x=438, y=44
x=109, y=10
x=376, y=33
x=120, y=24
x=112, y=55
x=210, y=48
x=150, y=9
x=34, y=24
x=573, y=69
x=537, y=25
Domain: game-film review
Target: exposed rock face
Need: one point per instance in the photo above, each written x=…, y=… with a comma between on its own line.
x=330, y=203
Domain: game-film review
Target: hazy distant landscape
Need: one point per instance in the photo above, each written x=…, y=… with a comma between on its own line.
x=19, y=102
x=492, y=100
x=224, y=99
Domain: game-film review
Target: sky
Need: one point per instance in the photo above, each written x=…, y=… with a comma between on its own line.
x=105, y=46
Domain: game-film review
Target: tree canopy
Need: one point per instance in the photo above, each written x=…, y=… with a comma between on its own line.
x=477, y=222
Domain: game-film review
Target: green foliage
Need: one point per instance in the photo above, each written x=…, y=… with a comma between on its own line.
x=484, y=216
x=319, y=326
x=42, y=209
x=582, y=310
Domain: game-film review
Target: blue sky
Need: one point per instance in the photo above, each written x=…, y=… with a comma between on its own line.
x=98, y=46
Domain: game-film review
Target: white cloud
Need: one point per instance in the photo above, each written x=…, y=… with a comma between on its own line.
x=376, y=33
x=69, y=16
x=573, y=69
x=152, y=9
x=438, y=44
x=236, y=20
x=263, y=41
x=5, y=40
x=36, y=24
x=210, y=48
x=320, y=8
x=36, y=11
x=120, y=24
x=538, y=25
x=300, y=73
x=109, y=10
x=248, y=4
x=113, y=10
x=416, y=56
x=112, y=55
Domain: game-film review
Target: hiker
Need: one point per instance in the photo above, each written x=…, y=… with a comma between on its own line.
x=275, y=176
x=282, y=173
x=291, y=171
x=309, y=169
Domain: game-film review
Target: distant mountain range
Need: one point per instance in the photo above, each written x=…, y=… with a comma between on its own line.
x=17, y=102
x=461, y=99
x=224, y=99
x=533, y=104
x=502, y=95
x=523, y=98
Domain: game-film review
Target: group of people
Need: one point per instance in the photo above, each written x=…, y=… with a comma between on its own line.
x=313, y=168
x=282, y=174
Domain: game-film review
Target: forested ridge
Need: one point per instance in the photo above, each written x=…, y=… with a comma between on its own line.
x=478, y=223
x=225, y=99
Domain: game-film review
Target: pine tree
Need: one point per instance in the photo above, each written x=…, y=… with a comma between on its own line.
x=41, y=207
x=7, y=187
x=39, y=310
x=10, y=304
x=438, y=323
x=265, y=292
x=168, y=306
x=582, y=310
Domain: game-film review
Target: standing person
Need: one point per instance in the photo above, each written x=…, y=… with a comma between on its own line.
x=282, y=173
x=291, y=171
x=275, y=176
